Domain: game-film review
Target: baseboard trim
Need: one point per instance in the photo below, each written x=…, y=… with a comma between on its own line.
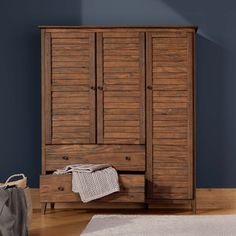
x=216, y=198
x=206, y=198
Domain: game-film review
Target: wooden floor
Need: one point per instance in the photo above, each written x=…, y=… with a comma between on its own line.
x=72, y=222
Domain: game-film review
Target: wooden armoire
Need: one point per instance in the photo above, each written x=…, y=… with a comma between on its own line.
x=124, y=96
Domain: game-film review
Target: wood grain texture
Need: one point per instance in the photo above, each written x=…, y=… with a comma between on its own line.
x=47, y=78
x=72, y=222
x=58, y=188
x=65, y=35
x=123, y=87
x=190, y=59
x=73, y=89
x=43, y=101
x=206, y=199
x=172, y=165
x=122, y=157
x=216, y=198
x=113, y=29
x=149, y=122
x=100, y=104
x=92, y=95
x=142, y=66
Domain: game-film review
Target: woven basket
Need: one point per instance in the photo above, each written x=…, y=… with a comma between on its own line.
x=21, y=183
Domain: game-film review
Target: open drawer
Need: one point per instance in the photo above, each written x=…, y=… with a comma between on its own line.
x=122, y=157
x=58, y=188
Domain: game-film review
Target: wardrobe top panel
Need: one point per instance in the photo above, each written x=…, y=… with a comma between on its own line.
x=51, y=28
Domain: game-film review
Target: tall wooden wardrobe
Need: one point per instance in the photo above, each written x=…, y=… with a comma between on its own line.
x=124, y=96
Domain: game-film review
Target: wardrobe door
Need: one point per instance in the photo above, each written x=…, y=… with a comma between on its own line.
x=121, y=88
x=170, y=114
x=70, y=59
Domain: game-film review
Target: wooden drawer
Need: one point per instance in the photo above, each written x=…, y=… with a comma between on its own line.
x=58, y=188
x=122, y=157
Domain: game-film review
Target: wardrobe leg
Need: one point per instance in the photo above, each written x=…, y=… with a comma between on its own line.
x=52, y=205
x=43, y=208
x=194, y=208
x=146, y=206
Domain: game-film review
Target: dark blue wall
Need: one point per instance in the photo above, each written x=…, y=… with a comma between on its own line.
x=216, y=74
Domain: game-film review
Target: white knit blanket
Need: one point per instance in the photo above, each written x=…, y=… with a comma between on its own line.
x=92, y=181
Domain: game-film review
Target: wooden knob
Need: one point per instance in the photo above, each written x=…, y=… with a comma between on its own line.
x=92, y=87
x=66, y=158
x=60, y=188
x=149, y=87
x=127, y=158
x=100, y=87
x=122, y=188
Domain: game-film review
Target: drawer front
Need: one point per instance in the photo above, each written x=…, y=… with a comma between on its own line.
x=122, y=157
x=58, y=188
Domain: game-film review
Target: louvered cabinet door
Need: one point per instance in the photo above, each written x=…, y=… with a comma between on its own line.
x=71, y=78
x=121, y=88
x=170, y=114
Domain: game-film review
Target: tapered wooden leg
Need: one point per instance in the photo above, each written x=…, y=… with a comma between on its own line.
x=43, y=208
x=52, y=205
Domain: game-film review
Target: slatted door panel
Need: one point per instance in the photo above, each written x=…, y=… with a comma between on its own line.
x=73, y=88
x=171, y=114
x=121, y=88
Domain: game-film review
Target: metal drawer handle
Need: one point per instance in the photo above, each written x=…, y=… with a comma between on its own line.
x=60, y=188
x=127, y=158
x=65, y=158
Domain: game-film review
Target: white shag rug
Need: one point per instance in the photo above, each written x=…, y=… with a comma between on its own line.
x=163, y=225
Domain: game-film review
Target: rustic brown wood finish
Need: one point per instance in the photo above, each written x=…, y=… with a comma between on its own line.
x=131, y=189
x=172, y=110
x=121, y=88
x=124, y=96
x=122, y=157
x=73, y=88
